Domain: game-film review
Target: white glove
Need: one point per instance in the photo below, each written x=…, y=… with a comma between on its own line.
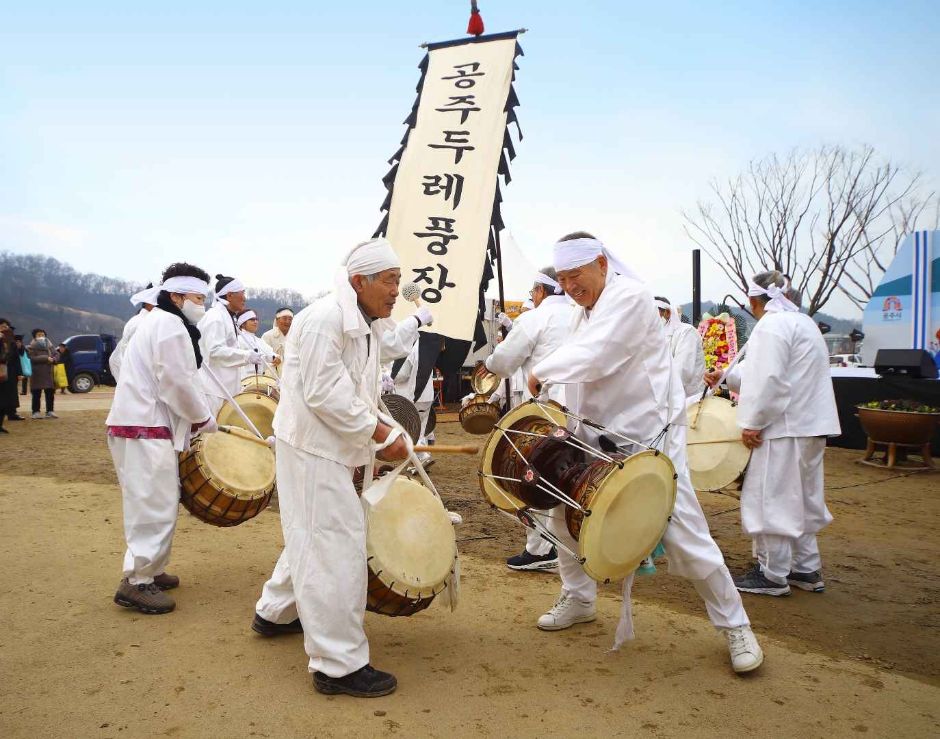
x=388, y=384
x=255, y=358
x=465, y=400
x=503, y=320
x=209, y=427
x=424, y=316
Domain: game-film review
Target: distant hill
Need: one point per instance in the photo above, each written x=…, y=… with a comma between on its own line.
x=841, y=326
x=41, y=292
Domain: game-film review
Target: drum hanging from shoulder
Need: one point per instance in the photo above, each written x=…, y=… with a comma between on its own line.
x=262, y=385
x=479, y=416
x=259, y=407
x=411, y=550
x=717, y=456
x=226, y=480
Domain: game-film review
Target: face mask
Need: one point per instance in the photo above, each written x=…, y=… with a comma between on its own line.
x=193, y=311
x=42, y=341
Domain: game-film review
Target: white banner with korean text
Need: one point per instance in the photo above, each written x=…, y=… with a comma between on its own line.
x=444, y=188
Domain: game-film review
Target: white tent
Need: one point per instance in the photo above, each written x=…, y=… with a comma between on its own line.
x=518, y=271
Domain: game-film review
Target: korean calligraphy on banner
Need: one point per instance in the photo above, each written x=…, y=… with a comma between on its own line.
x=442, y=199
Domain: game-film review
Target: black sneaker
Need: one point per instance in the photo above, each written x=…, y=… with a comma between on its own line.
x=366, y=682
x=527, y=561
x=269, y=628
x=755, y=582
x=811, y=581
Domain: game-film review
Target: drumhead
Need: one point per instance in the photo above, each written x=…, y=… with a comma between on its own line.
x=629, y=513
x=411, y=544
x=259, y=379
x=240, y=467
x=715, y=466
x=405, y=413
x=495, y=493
x=258, y=407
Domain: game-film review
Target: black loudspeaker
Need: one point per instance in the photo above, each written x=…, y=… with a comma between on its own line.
x=910, y=362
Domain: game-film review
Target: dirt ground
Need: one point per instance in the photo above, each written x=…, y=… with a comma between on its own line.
x=861, y=658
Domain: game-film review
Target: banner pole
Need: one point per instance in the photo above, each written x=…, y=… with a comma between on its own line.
x=502, y=304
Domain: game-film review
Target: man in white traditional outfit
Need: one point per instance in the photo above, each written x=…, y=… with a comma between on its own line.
x=224, y=359
x=247, y=323
x=617, y=371
x=277, y=335
x=157, y=405
x=518, y=380
x=685, y=344
x=404, y=382
x=326, y=424
x=534, y=335
x=145, y=300
x=786, y=409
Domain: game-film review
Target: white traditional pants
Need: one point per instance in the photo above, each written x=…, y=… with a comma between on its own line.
x=321, y=575
x=534, y=543
x=148, y=472
x=424, y=413
x=783, y=504
x=689, y=546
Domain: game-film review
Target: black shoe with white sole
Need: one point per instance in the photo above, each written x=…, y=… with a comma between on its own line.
x=811, y=581
x=269, y=628
x=366, y=682
x=755, y=582
x=527, y=561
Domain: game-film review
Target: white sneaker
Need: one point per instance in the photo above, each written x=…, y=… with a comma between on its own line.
x=50, y=414
x=567, y=612
x=37, y=416
x=746, y=654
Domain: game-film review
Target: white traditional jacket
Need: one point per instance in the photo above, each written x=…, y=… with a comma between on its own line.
x=220, y=351
x=784, y=382
x=688, y=356
x=534, y=335
x=250, y=342
x=330, y=380
x=117, y=356
x=159, y=385
x=616, y=365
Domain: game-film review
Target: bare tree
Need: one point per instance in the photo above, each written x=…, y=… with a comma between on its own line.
x=810, y=214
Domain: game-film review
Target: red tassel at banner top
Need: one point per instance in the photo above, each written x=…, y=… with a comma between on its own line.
x=475, y=26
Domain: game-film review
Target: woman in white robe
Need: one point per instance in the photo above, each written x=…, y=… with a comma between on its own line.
x=158, y=403
x=247, y=324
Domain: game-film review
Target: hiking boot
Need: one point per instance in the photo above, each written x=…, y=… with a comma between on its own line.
x=567, y=612
x=145, y=598
x=165, y=581
x=366, y=682
x=746, y=654
x=269, y=628
x=528, y=561
x=755, y=582
x=811, y=581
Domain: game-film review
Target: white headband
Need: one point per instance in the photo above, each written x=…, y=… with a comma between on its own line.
x=285, y=312
x=371, y=257
x=578, y=252
x=543, y=279
x=148, y=295
x=183, y=285
x=245, y=317
x=778, y=303
x=674, y=318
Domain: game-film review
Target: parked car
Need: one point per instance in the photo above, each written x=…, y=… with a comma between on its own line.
x=845, y=360
x=88, y=363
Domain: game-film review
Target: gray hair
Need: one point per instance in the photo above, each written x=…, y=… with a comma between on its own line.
x=765, y=280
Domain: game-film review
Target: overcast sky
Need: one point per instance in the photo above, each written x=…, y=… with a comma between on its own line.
x=251, y=138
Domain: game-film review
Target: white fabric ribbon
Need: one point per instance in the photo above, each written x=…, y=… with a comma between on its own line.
x=283, y=313
x=148, y=295
x=245, y=317
x=182, y=285
x=778, y=303
x=543, y=279
x=367, y=258
x=578, y=252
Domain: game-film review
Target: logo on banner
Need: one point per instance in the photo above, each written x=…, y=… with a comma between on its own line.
x=891, y=309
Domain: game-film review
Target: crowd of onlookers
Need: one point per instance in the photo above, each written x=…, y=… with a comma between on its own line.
x=37, y=367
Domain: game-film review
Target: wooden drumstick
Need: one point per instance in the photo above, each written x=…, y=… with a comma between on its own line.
x=243, y=434
x=449, y=449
